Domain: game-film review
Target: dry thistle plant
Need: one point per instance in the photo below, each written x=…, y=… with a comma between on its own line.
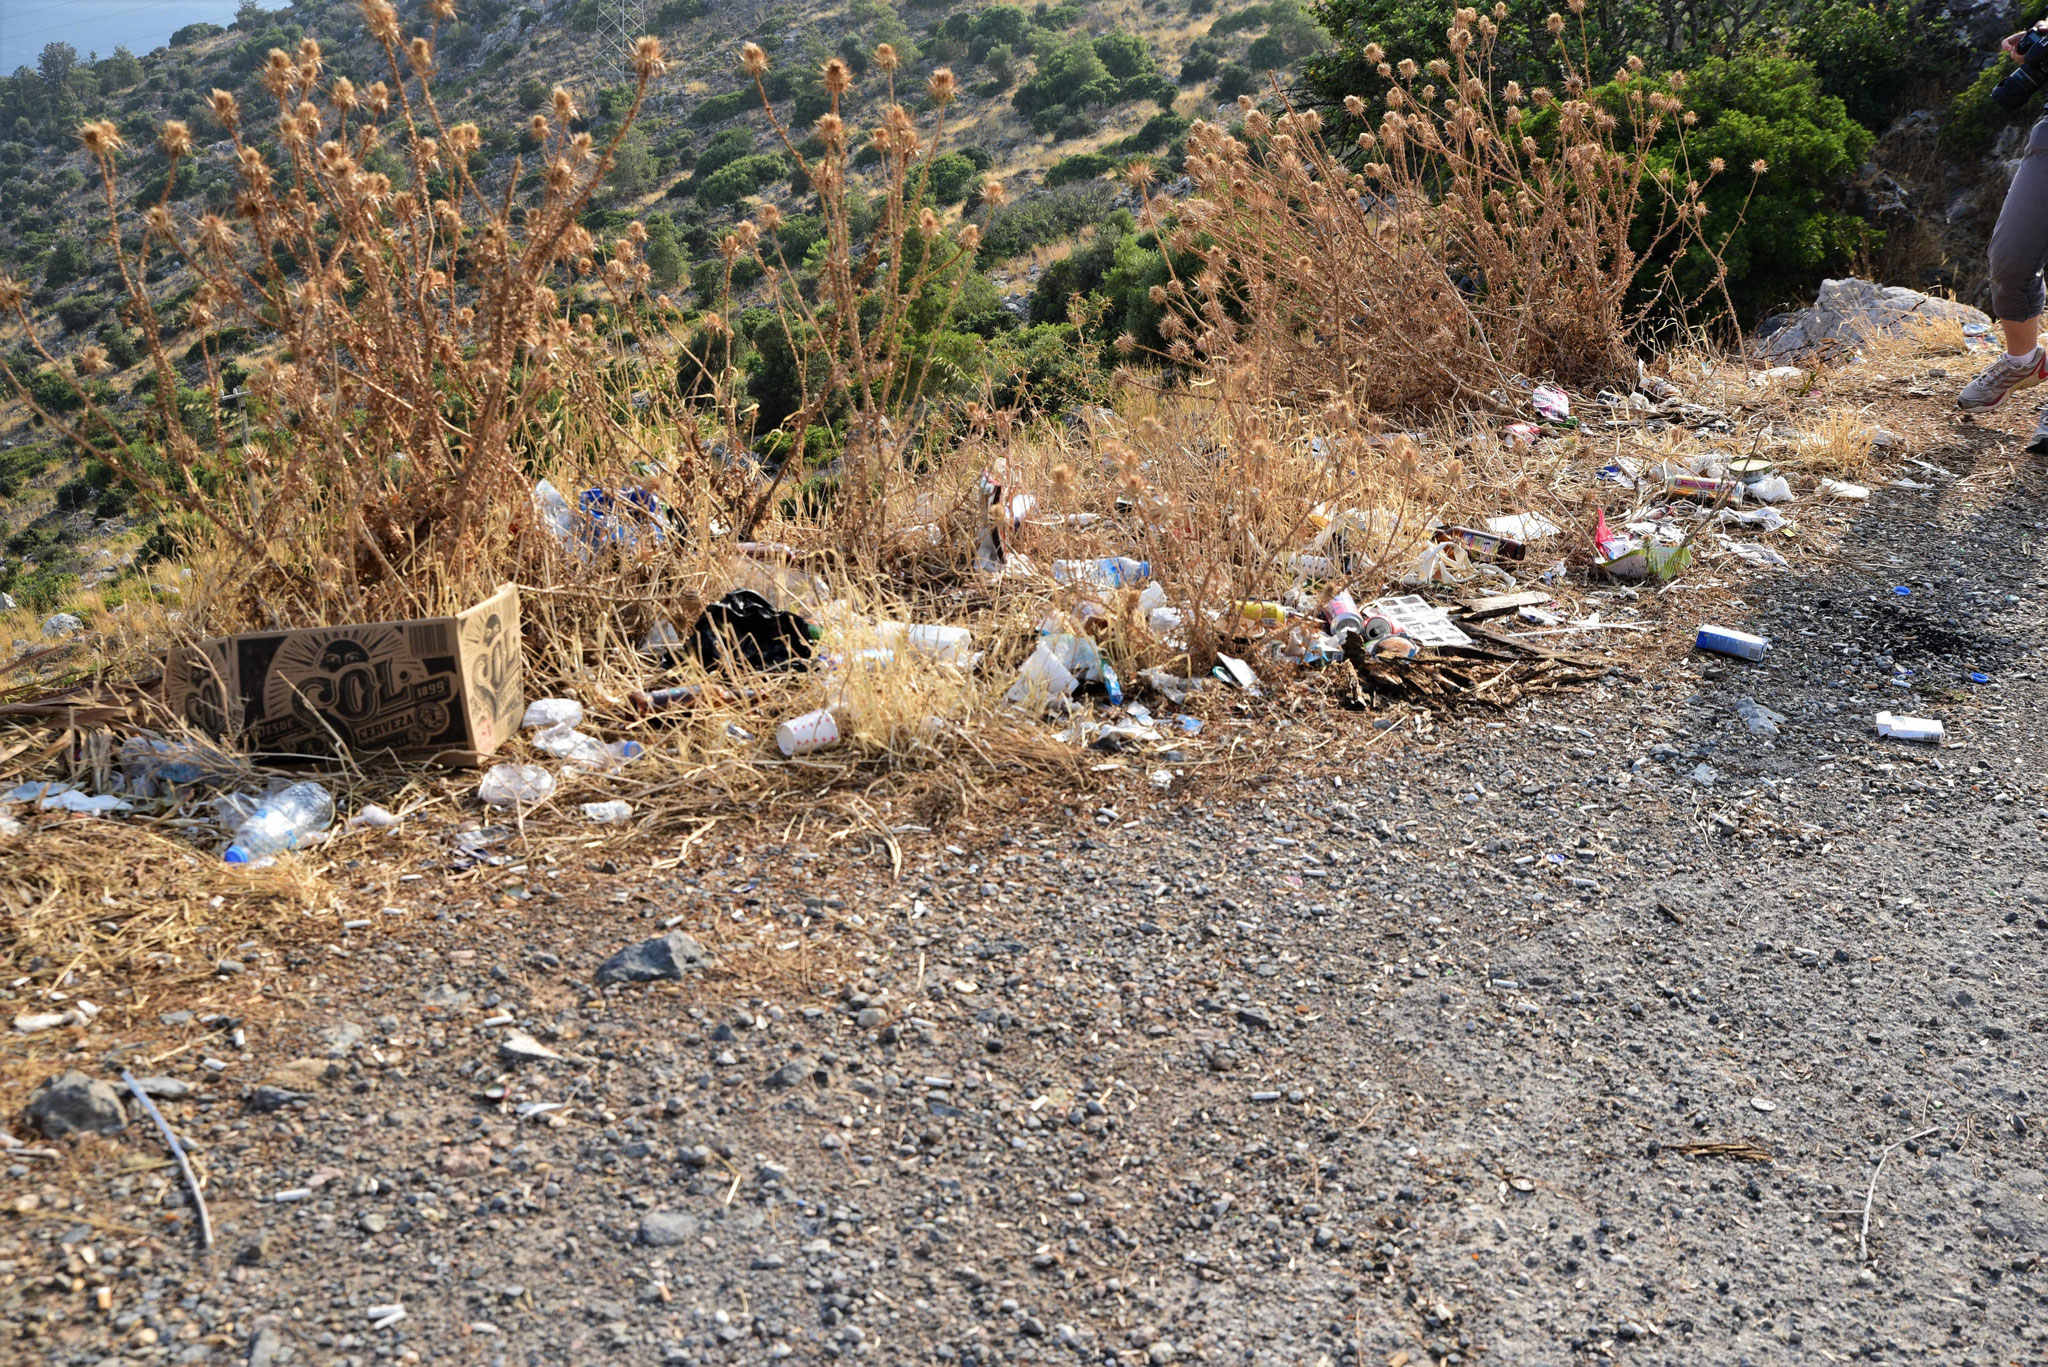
x=425, y=338
x=1488, y=235
x=866, y=366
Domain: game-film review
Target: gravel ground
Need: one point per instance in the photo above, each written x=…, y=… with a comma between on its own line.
x=1401, y=1060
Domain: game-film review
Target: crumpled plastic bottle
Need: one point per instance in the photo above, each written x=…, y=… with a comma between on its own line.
x=282, y=822
x=552, y=712
x=585, y=751
x=523, y=784
x=1762, y=721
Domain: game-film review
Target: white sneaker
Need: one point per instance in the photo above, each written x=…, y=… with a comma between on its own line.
x=2005, y=376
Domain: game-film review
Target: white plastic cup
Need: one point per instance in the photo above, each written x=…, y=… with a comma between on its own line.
x=948, y=645
x=812, y=731
x=1044, y=675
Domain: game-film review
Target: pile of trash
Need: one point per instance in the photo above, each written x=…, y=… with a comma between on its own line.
x=1470, y=613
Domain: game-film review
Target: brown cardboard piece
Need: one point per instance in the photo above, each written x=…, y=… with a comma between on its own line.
x=444, y=688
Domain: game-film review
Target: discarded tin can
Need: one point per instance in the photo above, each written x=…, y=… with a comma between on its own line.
x=1648, y=562
x=1378, y=629
x=1309, y=566
x=1908, y=728
x=1257, y=611
x=1702, y=488
x=1484, y=543
x=1750, y=469
x=1342, y=615
x=1395, y=648
x=1728, y=641
x=661, y=699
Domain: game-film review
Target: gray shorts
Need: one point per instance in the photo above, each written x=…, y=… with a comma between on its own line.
x=2019, y=242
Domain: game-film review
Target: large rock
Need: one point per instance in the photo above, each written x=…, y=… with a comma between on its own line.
x=667, y=1228
x=665, y=956
x=76, y=1104
x=1847, y=312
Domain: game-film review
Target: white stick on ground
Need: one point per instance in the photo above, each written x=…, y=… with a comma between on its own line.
x=1863, y=1239
x=177, y=1151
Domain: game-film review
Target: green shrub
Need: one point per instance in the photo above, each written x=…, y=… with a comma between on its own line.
x=1877, y=59
x=1080, y=271
x=123, y=347
x=1038, y=219
x=719, y=108
x=664, y=250
x=54, y=392
x=68, y=261
x=74, y=494
x=737, y=179
x=1159, y=131
x=1794, y=229
x=43, y=588
x=1241, y=21
x=1202, y=60
x=952, y=176
x=1044, y=369
x=1234, y=79
x=999, y=24
x=675, y=13
x=728, y=147
x=82, y=311
x=1124, y=54
x=1071, y=74
x=1972, y=122
x=1078, y=167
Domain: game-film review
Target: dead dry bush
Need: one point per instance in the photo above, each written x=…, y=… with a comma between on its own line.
x=1485, y=235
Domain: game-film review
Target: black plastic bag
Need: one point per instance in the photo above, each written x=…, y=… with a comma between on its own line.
x=758, y=636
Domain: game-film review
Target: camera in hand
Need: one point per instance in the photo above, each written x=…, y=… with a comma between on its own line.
x=2024, y=81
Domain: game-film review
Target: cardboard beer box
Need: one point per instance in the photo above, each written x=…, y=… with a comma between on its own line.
x=446, y=688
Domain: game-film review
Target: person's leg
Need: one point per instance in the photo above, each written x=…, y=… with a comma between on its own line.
x=2019, y=243
x=2022, y=335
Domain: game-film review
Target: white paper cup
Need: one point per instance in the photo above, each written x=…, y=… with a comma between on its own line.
x=811, y=731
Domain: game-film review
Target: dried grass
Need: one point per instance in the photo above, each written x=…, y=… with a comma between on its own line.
x=1839, y=445
x=83, y=900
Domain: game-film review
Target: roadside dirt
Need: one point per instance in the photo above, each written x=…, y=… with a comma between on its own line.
x=1574, y=1038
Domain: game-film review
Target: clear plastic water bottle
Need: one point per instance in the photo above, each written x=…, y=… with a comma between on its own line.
x=1113, y=572
x=281, y=821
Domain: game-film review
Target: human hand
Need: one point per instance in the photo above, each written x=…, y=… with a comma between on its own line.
x=2011, y=45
